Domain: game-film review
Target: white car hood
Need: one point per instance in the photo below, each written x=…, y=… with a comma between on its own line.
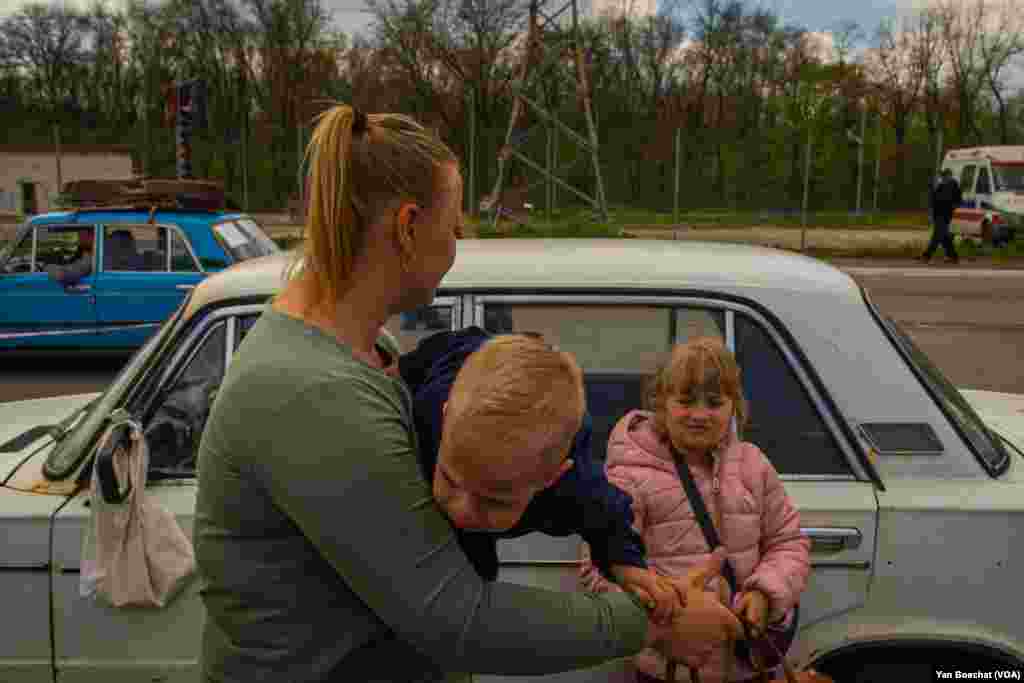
x=17, y=417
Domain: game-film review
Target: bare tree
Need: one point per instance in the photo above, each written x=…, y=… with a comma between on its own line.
x=1000, y=46
x=48, y=42
x=962, y=27
x=897, y=74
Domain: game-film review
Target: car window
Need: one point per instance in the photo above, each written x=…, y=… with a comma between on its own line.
x=242, y=327
x=619, y=347
x=253, y=230
x=409, y=328
x=135, y=248
x=182, y=409
x=181, y=259
x=56, y=245
x=239, y=241
x=783, y=420
x=20, y=258
x=984, y=186
x=967, y=179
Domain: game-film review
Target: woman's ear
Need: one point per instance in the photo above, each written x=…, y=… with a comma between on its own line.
x=405, y=230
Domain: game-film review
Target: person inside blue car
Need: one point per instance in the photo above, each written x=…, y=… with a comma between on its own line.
x=505, y=440
x=80, y=265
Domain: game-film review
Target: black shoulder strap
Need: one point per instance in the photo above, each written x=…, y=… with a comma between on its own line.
x=703, y=518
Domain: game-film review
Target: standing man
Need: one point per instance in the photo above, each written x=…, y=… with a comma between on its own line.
x=944, y=199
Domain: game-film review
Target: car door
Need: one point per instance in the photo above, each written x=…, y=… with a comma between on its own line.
x=35, y=309
x=619, y=342
x=94, y=643
x=147, y=270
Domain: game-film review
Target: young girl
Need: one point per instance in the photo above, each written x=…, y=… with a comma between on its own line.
x=695, y=399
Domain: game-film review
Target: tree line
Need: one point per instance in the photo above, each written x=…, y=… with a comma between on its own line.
x=747, y=94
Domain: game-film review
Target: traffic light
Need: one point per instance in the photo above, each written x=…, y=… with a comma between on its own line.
x=183, y=130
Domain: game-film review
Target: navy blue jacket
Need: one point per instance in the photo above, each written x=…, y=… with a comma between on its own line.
x=582, y=501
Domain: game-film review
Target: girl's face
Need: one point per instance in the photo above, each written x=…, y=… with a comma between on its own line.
x=699, y=417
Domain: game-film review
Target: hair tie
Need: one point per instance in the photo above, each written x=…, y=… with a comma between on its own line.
x=360, y=123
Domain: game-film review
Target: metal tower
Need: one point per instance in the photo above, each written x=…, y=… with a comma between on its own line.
x=547, y=43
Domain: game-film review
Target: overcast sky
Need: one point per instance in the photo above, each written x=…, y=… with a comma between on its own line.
x=816, y=15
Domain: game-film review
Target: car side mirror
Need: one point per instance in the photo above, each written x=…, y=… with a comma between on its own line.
x=110, y=488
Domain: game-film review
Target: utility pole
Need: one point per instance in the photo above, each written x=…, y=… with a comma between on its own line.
x=56, y=147
x=878, y=163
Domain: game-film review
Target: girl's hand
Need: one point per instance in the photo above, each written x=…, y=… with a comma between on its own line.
x=664, y=599
x=752, y=609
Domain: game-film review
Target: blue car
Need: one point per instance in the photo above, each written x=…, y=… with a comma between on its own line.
x=105, y=278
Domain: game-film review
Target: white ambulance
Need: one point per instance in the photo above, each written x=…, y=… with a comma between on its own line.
x=992, y=182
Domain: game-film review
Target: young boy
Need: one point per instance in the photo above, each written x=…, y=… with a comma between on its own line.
x=505, y=440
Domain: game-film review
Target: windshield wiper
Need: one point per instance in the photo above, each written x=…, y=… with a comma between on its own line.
x=57, y=432
x=1007, y=442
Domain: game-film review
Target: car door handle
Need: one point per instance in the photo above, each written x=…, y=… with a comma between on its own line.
x=832, y=539
x=78, y=288
x=185, y=287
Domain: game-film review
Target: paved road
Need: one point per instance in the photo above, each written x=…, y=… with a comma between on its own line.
x=970, y=322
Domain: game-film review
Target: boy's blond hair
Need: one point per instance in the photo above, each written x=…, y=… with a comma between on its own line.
x=517, y=391
x=692, y=363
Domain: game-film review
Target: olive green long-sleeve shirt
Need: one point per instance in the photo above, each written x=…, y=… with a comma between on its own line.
x=323, y=555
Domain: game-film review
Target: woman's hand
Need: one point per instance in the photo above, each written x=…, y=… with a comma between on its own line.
x=664, y=598
x=752, y=609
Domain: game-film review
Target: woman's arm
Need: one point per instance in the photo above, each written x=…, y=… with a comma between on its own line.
x=352, y=484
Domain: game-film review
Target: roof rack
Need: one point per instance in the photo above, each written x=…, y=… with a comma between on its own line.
x=146, y=194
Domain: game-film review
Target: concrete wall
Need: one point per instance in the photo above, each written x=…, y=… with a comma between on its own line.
x=41, y=168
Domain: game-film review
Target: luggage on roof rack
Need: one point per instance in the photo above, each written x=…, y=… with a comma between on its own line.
x=145, y=193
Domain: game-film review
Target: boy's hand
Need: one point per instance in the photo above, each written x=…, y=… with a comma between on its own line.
x=752, y=609
x=664, y=598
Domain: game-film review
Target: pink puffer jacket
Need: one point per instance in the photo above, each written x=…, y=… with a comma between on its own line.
x=755, y=518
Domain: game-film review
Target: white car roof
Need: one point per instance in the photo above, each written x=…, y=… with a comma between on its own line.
x=527, y=264
x=1012, y=153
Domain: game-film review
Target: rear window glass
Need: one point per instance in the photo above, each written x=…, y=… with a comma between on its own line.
x=244, y=240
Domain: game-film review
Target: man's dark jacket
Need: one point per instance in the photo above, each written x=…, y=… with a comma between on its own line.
x=582, y=501
x=946, y=198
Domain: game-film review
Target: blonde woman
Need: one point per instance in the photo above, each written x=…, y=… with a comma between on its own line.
x=323, y=555
x=696, y=398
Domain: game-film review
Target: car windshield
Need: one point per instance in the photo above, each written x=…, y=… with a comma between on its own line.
x=244, y=239
x=985, y=444
x=1008, y=178
x=75, y=443
x=6, y=248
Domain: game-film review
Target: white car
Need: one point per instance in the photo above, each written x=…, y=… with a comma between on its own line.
x=912, y=490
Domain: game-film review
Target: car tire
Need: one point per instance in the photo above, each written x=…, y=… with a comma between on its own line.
x=987, y=236
x=887, y=671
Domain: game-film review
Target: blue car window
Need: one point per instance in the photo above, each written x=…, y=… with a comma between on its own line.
x=134, y=248
x=19, y=259
x=174, y=430
x=181, y=259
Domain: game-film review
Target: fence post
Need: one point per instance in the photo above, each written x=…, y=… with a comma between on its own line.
x=471, y=161
x=807, y=179
x=675, y=193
